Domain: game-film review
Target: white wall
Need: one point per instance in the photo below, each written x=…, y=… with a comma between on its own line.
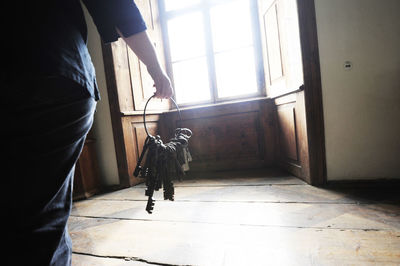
x=362, y=105
x=102, y=123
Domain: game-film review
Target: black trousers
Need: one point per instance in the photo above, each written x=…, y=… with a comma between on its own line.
x=46, y=126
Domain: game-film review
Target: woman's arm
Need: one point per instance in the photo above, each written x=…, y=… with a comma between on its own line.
x=143, y=48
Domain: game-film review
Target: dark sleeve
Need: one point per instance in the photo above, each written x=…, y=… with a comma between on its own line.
x=111, y=14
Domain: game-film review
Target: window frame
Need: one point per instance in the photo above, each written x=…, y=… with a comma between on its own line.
x=204, y=7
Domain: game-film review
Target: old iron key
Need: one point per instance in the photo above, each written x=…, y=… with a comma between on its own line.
x=138, y=167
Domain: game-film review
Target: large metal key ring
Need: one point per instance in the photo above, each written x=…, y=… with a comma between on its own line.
x=144, y=113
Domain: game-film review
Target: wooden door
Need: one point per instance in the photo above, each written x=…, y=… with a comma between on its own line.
x=284, y=28
x=281, y=46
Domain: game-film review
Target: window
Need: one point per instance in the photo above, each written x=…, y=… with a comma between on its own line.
x=213, y=49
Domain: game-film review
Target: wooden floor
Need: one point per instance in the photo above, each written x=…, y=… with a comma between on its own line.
x=241, y=218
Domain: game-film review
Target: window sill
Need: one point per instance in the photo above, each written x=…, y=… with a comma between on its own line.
x=211, y=105
x=194, y=107
x=224, y=103
x=237, y=101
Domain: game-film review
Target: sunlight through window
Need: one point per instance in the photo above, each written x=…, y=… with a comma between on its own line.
x=231, y=25
x=236, y=73
x=178, y=4
x=191, y=81
x=211, y=50
x=186, y=36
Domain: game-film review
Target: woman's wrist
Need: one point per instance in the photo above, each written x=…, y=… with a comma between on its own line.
x=155, y=70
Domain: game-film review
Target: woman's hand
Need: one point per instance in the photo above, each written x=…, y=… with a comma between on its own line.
x=144, y=50
x=163, y=86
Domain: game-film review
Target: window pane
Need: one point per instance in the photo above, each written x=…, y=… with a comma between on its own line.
x=178, y=4
x=191, y=81
x=186, y=36
x=236, y=73
x=231, y=25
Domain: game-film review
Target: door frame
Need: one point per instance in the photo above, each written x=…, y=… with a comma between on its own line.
x=312, y=91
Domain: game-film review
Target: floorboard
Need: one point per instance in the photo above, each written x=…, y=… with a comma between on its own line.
x=240, y=218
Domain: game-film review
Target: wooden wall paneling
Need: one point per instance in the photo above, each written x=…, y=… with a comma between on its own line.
x=120, y=94
x=273, y=48
x=226, y=141
x=86, y=179
x=269, y=125
x=281, y=46
x=142, y=82
x=287, y=131
x=227, y=136
x=302, y=137
x=287, y=139
x=111, y=52
x=134, y=138
x=287, y=17
x=119, y=63
x=129, y=86
x=292, y=149
x=130, y=143
x=169, y=121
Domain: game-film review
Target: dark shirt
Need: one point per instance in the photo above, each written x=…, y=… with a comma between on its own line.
x=49, y=37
